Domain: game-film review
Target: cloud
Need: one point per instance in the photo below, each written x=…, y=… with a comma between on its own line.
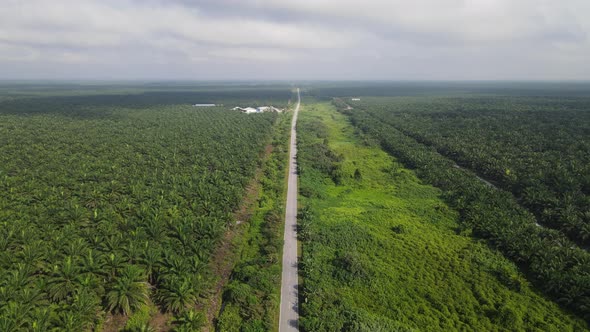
x=97, y=24
x=373, y=39
x=17, y=53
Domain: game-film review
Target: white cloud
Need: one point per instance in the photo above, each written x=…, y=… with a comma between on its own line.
x=255, y=54
x=17, y=53
x=373, y=38
x=465, y=20
x=94, y=23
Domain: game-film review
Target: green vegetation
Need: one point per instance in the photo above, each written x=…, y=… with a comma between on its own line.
x=553, y=263
x=381, y=251
x=132, y=94
x=329, y=90
x=110, y=212
x=251, y=299
x=536, y=148
x=114, y=198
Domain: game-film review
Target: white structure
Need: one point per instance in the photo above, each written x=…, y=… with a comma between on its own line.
x=356, y=99
x=261, y=109
x=204, y=105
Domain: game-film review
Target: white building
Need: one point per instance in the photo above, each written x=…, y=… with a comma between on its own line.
x=261, y=109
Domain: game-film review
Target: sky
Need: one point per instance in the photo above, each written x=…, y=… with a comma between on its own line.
x=295, y=39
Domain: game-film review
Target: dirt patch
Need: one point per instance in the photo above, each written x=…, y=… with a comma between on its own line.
x=114, y=323
x=160, y=321
x=268, y=150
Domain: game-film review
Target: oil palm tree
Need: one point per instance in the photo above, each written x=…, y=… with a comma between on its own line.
x=40, y=320
x=70, y=321
x=176, y=294
x=114, y=262
x=86, y=305
x=151, y=259
x=189, y=321
x=93, y=262
x=7, y=322
x=63, y=280
x=129, y=291
x=33, y=254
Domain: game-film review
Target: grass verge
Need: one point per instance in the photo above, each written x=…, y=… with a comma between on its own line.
x=251, y=297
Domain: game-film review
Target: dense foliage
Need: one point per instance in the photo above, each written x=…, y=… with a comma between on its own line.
x=556, y=265
x=251, y=299
x=107, y=210
x=536, y=148
x=220, y=91
x=381, y=252
x=102, y=105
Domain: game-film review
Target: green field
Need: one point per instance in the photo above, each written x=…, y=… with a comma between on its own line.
x=381, y=250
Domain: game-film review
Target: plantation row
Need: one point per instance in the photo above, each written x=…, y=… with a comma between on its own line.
x=535, y=148
x=552, y=262
x=117, y=213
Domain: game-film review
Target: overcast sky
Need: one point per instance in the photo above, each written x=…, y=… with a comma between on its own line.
x=295, y=39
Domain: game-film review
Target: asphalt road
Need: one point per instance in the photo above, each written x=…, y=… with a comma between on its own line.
x=289, y=311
